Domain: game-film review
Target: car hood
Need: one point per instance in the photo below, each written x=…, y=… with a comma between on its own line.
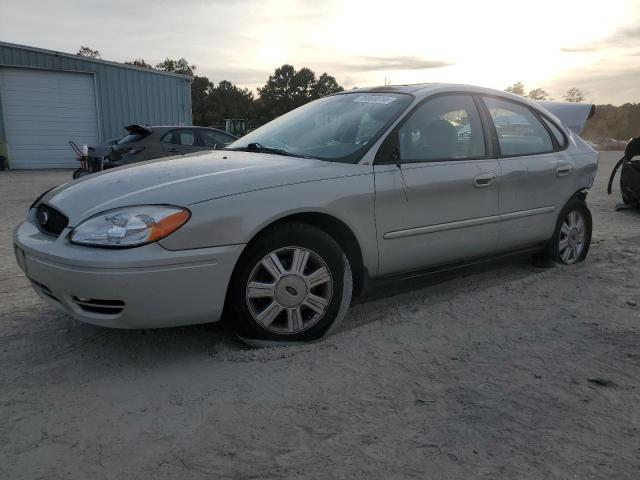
x=187, y=180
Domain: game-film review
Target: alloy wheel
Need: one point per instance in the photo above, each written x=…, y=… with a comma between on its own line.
x=572, y=237
x=289, y=290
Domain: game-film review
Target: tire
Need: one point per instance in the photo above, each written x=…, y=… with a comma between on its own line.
x=81, y=172
x=292, y=284
x=625, y=198
x=572, y=237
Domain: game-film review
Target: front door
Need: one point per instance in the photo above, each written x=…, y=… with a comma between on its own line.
x=437, y=200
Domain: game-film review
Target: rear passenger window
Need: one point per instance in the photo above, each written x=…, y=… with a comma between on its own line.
x=556, y=132
x=184, y=137
x=180, y=137
x=519, y=130
x=443, y=128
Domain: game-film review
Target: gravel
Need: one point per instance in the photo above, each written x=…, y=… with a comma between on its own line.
x=505, y=371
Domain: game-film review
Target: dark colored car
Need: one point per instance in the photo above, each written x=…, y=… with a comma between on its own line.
x=147, y=143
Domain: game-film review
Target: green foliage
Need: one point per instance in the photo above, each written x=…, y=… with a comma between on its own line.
x=201, y=88
x=516, y=88
x=325, y=85
x=176, y=66
x=212, y=104
x=287, y=89
x=609, y=121
x=139, y=62
x=538, y=94
x=574, y=95
x=88, y=52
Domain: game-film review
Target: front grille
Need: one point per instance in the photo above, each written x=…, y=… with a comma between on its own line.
x=102, y=307
x=50, y=220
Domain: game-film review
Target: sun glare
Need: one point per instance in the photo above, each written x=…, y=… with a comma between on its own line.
x=491, y=43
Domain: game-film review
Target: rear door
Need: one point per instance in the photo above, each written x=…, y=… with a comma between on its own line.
x=436, y=190
x=533, y=164
x=180, y=141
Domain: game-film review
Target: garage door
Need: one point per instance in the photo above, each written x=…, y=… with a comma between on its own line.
x=42, y=111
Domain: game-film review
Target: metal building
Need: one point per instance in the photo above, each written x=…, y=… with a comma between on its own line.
x=48, y=98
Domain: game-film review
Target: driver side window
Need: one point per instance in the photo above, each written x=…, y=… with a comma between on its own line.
x=444, y=128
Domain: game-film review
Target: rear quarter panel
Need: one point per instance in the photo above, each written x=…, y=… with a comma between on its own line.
x=585, y=162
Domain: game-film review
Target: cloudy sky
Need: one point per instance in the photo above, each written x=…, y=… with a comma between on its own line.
x=552, y=44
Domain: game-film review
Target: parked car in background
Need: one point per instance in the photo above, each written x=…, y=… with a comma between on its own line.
x=282, y=226
x=144, y=142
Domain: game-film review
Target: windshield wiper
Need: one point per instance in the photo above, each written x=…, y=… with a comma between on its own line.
x=256, y=147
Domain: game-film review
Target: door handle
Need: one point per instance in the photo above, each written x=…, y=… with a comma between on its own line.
x=563, y=169
x=484, y=180
x=173, y=150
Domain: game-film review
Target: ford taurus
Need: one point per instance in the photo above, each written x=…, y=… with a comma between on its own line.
x=282, y=227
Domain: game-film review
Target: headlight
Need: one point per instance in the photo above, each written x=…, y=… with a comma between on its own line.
x=130, y=226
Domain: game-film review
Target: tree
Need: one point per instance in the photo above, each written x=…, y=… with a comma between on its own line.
x=230, y=101
x=288, y=88
x=176, y=66
x=201, y=88
x=276, y=96
x=575, y=95
x=516, y=88
x=538, y=94
x=139, y=62
x=610, y=121
x=88, y=52
x=325, y=85
x=212, y=104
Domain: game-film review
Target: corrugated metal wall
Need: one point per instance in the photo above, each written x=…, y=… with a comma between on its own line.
x=125, y=95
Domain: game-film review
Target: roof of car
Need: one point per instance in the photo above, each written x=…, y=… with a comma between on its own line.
x=407, y=88
x=421, y=90
x=197, y=127
x=164, y=128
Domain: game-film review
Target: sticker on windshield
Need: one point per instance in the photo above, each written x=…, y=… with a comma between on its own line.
x=374, y=99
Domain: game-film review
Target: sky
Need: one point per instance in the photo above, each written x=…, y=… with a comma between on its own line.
x=549, y=44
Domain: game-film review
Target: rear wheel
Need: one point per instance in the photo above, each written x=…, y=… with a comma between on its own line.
x=626, y=199
x=293, y=284
x=572, y=237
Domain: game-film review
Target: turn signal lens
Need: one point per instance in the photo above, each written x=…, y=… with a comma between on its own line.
x=168, y=225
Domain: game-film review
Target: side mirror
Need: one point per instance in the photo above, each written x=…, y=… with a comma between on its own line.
x=632, y=149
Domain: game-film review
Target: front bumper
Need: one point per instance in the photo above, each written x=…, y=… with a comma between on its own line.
x=143, y=287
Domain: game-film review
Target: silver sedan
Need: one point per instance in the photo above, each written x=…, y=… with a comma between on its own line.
x=280, y=229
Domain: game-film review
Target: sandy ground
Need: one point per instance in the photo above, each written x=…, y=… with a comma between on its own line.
x=507, y=371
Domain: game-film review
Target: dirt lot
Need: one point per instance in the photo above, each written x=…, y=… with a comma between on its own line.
x=504, y=372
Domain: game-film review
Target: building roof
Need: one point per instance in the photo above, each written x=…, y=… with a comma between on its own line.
x=92, y=60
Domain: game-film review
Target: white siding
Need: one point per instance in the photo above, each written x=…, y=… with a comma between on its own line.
x=42, y=111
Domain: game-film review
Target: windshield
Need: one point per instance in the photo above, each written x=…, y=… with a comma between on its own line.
x=336, y=128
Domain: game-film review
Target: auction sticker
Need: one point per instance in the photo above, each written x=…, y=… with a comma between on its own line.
x=374, y=99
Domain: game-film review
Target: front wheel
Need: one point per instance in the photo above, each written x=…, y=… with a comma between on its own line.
x=292, y=284
x=572, y=237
